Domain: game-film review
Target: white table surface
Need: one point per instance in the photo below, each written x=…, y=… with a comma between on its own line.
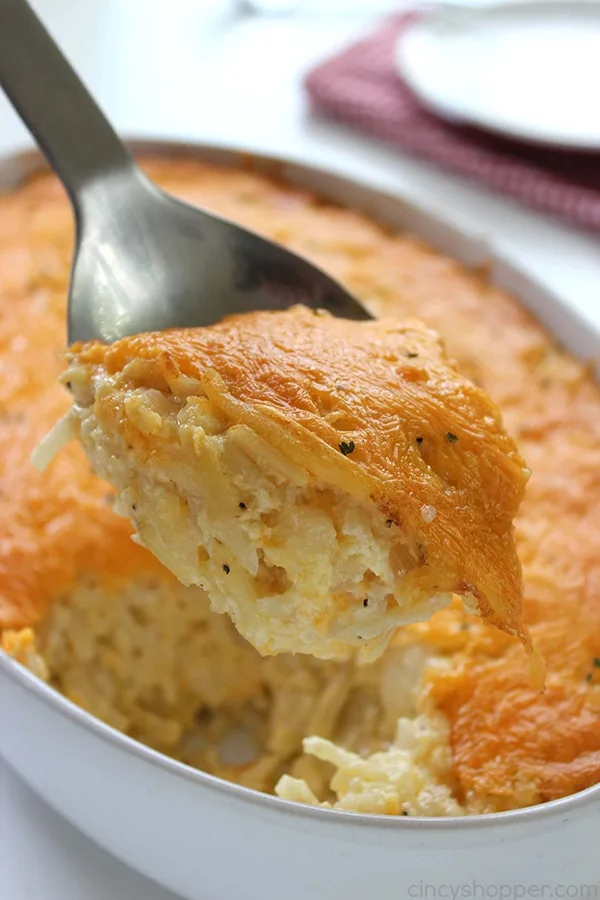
x=195, y=70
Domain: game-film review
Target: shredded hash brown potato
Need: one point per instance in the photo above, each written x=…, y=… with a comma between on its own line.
x=96, y=615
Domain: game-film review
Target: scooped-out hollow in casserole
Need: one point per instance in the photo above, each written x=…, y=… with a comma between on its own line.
x=324, y=481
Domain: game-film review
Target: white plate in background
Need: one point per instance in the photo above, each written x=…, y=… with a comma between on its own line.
x=529, y=70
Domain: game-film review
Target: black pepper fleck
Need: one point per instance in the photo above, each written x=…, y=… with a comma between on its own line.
x=366, y=601
x=347, y=447
x=451, y=437
x=203, y=716
x=412, y=355
x=242, y=505
x=388, y=523
x=419, y=440
x=226, y=569
x=133, y=507
x=404, y=813
x=68, y=385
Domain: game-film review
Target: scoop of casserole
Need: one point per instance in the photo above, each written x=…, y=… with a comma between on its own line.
x=325, y=481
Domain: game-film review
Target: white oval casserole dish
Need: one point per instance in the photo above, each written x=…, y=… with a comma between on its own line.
x=208, y=839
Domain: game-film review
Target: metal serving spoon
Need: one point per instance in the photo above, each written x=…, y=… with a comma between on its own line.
x=143, y=260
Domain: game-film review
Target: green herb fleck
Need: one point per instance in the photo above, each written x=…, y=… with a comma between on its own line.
x=347, y=447
x=226, y=569
x=588, y=677
x=464, y=626
x=596, y=662
x=412, y=355
x=451, y=437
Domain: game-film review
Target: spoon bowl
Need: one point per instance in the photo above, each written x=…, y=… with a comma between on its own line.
x=143, y=260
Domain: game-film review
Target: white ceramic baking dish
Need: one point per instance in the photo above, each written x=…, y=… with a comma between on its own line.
x=210, y=840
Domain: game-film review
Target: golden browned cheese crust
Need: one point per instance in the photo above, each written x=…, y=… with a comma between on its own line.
x=510, y=745
x=424, y=439
x=55, y=524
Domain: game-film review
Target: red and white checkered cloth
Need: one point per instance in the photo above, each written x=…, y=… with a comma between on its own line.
x=360, y=86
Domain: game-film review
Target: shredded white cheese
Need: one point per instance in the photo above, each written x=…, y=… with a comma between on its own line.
x=64, y=431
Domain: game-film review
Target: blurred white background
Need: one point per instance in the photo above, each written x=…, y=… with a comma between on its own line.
x=207, y=70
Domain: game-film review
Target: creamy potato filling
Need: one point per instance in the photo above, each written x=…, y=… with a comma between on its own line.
x=299, y=565
x=150, y=658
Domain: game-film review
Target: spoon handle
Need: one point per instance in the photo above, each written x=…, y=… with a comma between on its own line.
x=77, y=139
